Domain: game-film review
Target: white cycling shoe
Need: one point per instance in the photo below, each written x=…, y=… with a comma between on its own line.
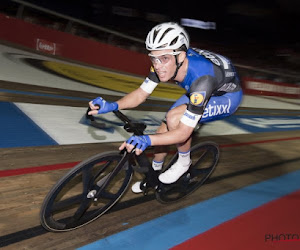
x=173, y=173
x=169, y=176
x=136, y=187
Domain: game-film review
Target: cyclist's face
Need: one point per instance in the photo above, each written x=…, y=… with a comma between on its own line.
x=164, y=64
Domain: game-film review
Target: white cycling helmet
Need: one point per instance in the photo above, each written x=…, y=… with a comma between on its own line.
x=167, y=36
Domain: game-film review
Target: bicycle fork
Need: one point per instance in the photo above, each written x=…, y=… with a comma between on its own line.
x=151, y=177
x=94, y=194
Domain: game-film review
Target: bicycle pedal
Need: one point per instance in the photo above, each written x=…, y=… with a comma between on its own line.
x=145, y=187
x=187, y=176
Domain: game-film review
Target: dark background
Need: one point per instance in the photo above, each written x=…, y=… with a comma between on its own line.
x=258, y=33
x=276, y=21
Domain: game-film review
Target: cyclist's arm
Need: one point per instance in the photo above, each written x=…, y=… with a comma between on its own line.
x=133, y=99
x=139, y=95
x=178, y=135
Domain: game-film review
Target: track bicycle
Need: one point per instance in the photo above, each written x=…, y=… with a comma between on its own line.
x=95, y=185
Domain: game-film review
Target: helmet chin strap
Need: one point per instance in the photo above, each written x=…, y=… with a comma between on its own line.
x=178, y=65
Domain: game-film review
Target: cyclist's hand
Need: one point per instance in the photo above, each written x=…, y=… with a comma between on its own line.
x=100, y=106
x=140, y=143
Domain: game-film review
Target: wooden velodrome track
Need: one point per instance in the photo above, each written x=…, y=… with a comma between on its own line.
x=245, y=159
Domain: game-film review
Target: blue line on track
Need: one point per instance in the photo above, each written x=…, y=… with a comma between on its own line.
x=174, y=228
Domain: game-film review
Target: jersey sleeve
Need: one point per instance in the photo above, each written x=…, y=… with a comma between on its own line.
x=150, y=82
x=200, y=93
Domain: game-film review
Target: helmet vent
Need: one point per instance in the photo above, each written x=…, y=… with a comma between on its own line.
x=162, y=46
x=184, y=36
x=166, y=32
x=174, y=41
x=155, y=34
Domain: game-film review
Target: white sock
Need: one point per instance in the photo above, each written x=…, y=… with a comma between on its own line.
x=184, y=158
x=157, y=165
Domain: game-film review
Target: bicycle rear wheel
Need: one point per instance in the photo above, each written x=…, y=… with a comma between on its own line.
x=204, y=158
x=72, y=203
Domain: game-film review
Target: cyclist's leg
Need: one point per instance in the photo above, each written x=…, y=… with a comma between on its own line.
x=184, y=161
x=160, y=152
x=218, y=107
x=171, y=121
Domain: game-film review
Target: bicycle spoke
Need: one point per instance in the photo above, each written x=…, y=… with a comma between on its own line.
x=203, y=155
x=108, y=195
x=60, y=205
x=82, y=209
x=103, y=180
x=86, y=180
x=200, y=160
x=106, y=166
x=196, y=171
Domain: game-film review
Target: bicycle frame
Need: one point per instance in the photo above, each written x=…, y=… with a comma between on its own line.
x=151, y=177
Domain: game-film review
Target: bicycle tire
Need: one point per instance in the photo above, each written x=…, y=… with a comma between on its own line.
x=103, y=171
x=204, y=157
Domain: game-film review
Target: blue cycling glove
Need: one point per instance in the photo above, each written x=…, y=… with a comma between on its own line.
x=105, y=106
x=141, y=142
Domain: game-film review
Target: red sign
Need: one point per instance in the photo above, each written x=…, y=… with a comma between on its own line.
x=269, y=88
x=45, y=46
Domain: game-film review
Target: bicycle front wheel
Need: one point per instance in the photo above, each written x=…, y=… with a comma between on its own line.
x=86, y=192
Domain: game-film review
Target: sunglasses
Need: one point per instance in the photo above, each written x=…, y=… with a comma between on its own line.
x=164, y=58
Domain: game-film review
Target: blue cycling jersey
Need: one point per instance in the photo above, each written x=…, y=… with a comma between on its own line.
x=203, y=62
x=198, y=66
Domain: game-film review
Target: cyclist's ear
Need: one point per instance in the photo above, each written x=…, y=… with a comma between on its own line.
x=182, y=56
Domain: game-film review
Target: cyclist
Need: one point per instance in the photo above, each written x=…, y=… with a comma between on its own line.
x=212, y=87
